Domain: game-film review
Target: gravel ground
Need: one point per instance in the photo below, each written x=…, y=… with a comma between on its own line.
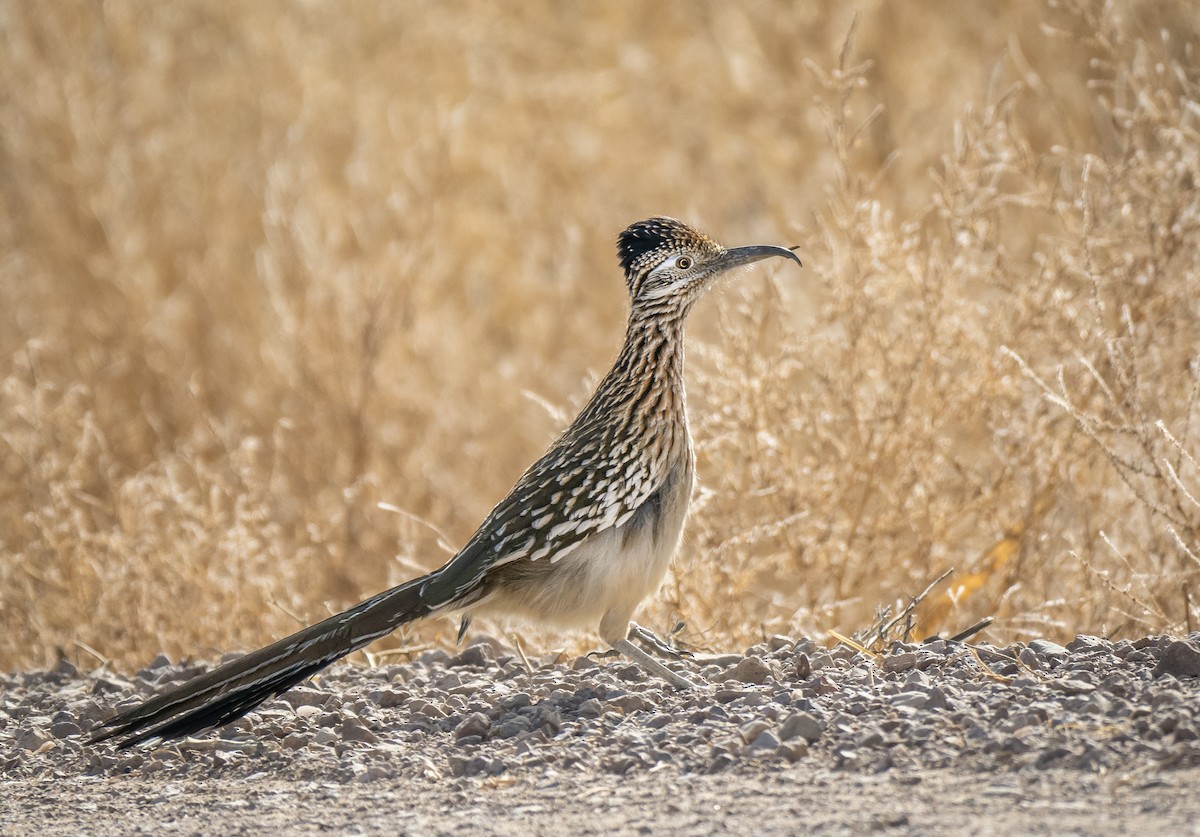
x=1092, y=736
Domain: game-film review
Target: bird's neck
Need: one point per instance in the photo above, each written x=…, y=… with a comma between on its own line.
x=648, y=373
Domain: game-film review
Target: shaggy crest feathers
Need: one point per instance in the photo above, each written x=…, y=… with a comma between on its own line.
x=645, y=243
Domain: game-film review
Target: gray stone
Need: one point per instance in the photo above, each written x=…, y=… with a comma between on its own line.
x=1181, y=658
x=900, y=662
x=764, y=741
x=1046, y=648
x=801, y=725
x=354, y=729
x=295, y=741
x=591, y=708
x=305, y=697
x=476, y=655
x=474, y=724
x=631, y=703
x=914, y=700
x=751, y=730
x=65, y=729
x=792, y=750
x=749, y=670
x=869, y=738
x=778, y=643
x=31, y=738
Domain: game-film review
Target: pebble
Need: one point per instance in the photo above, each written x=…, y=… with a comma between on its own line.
x=1046, y=648
x=765, y=741
x=65, y=729
x=802, y=725
x=751, y=730
x=900, y=662
x=749, y=670
x=475, y=724
x=913, y=700
x=1181, y=658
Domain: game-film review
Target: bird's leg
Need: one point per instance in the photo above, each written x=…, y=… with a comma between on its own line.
x=651, y=665
x=656, y=643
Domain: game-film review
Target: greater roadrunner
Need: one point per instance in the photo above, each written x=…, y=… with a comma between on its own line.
x=583, y=537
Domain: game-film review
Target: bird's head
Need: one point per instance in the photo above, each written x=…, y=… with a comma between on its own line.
x=668, y=263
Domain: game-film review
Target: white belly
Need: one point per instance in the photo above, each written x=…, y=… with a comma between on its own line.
x=602, y=581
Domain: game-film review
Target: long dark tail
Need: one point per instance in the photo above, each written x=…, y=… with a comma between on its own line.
x=232, y=690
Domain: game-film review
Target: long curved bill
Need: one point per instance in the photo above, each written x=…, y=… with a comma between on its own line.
x=739, y=256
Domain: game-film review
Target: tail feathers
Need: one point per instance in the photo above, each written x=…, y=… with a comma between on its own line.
x=230, y=691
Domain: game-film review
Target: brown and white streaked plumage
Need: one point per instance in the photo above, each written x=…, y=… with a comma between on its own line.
x=582, y=539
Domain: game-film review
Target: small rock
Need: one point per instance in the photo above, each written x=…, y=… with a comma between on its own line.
x=722, y=660
x=476, y=655
x=1181, y=658
x=295, y=741
x=355, y=730
x=631, y=703
x=65, y=729
x=1074, y=686
x=792, y=750
x=765, y=741
x=511, y=727
x=1046, y=648
x=751, y=730
x=900, y=662
x=31, y=739
x=476, y=766
x=777, y=642
x=730, y=695
x=516, y=701
x=591, y=708
x=749, y=670
x=389, y=698
x=936, y=698
x=914, y=700
x=161, y=661
x=619, y=765
x=1085, y=642
x=305, y=697
x=801, y=725
x=474, y=724
x=869, y=738
x=820, y=661
x=1030, y=659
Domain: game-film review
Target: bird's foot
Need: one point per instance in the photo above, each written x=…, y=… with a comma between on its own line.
x=653, y=666
x=657, y=644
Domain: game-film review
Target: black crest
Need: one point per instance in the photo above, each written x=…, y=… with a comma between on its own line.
x=641, y=241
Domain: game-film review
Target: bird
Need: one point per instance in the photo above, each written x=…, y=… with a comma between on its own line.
x=583, y=537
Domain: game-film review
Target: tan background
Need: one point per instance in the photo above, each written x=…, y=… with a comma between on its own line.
x=264, y=265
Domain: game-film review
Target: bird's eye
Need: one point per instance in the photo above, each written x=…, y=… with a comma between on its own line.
x=683, y=262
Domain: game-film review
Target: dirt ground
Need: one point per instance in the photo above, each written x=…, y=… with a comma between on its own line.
x=1097, y=737
x=756, y=800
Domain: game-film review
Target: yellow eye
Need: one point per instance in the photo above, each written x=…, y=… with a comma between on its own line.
x=683, y=262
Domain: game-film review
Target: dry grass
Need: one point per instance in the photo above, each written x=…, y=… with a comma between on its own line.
x=266, y=265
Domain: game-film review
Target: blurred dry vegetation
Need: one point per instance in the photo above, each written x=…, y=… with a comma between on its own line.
x=266, y=265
